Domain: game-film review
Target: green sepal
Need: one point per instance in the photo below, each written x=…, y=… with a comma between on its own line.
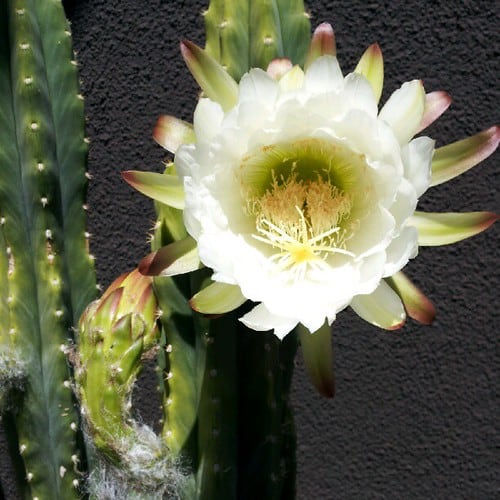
x=322, y=43
x=179, y=257
x=213, y=79
x=318, y=357
x=165, y=188
x=436, y=229
x=171, y=133
x=417, y=305
x=217, y=298
x=371, y=66
x=456, y=158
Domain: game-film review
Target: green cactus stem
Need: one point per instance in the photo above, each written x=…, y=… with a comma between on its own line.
x=50, y=274
x=245, y=34
x=266, y=428
x=12, y=371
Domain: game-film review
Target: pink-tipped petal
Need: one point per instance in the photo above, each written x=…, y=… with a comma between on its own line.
x=171, y=133
x=382, y=308
x=436, y=103
x=217, y=298
x=278, y=67
x=436, y=229
x=179, y=257
x=417, y=305
x=165, y=188
x=214, y=80
x=318, y=358
x=322, y=43
x=371, y=66
x=454, y=159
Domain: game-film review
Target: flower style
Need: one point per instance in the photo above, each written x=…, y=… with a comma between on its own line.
x=301, y=195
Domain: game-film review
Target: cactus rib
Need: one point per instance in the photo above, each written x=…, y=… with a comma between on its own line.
x=50, y=275
x=251, y=33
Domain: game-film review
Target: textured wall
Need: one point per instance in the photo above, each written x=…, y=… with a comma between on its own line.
x=415, y=411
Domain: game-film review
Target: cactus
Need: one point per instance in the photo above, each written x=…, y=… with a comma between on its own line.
x=115, y=334
x=226, y=409
x=46, y=273
x=246, y=34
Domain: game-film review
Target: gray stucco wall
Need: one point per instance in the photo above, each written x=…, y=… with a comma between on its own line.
x=416, y=412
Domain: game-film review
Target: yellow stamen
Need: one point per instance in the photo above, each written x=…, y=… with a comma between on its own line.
x=303, y=221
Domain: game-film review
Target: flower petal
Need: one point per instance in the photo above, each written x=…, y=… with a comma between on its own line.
x=401, y=250
x=417, y=160
x=179, y=257
x=217, y=298
x=371, y=66
x=404, y=110
x=417, y=305
x=454, y=159
x=436, y=103
x=260, y=319
x=170, y=133
x=322, y=43
x=164, y=188
x=214, y=80
x=445, y=228
x=382, y=308
x=207, y=120
x=318, y=358
x=358, y=94
x=324, y=75
x=292, y=80
x=258, y=86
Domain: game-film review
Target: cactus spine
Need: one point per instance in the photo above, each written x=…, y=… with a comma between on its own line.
x=46, y=273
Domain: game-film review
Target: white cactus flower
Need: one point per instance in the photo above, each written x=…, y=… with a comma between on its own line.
x=301, y=195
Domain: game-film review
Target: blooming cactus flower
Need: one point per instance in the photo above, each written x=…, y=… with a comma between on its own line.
x=301, y=194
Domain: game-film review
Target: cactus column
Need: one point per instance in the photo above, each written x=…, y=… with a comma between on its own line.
x=47, y=275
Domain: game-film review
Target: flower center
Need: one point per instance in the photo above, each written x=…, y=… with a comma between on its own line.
x=302, y=220
x=303, y=200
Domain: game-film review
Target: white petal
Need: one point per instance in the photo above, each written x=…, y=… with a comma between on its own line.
x=374, y=233
x=404, y=110
x=417, y=160
x=313, y=322
x=192, y=212
x=404, y=205
x=370, y=272
x=292, y=80
x=257, y=86
x=260, y=319
x=382, y=308
x=324, y=75
x=207, y=120
x=373, y=138
x=401, y=250
x=359, y=94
